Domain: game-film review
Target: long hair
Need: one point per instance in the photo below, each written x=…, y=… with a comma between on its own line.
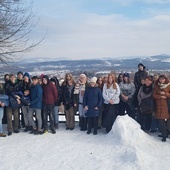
x=113, y=81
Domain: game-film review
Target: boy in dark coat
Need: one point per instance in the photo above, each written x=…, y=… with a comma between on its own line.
x=35, y=105
x=92, y=103
x=50, y=97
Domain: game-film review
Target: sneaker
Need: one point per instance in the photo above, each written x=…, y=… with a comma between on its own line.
x=33, y=131
x=26, y=129
x=16, y=131
x=67, y=128
x=88, y=132
x=94, y=133
x=164, y=139
x=37, y=132
x=53, y=131
x=44, y=131
x=9, y=133
x=2, y=135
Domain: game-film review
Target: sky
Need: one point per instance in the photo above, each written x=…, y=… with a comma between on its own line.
x=85, y=29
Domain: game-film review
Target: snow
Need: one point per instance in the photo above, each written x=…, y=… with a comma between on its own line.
x=126, y=147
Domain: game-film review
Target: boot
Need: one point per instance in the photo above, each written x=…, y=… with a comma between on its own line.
x=2, y=135
x=26, y=129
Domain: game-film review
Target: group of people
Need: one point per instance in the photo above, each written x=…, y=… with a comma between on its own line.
x=98, y=101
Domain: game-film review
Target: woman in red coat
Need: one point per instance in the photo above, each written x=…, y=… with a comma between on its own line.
x=161, y=94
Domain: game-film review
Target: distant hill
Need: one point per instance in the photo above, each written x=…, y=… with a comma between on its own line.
x=157, y=62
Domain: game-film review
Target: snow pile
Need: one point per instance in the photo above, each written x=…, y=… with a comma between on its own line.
x=139, y=148
x=126, y=147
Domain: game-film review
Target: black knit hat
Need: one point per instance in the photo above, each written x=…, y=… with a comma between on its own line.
x=140, y=64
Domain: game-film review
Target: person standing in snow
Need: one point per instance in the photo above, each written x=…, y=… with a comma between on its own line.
x=25, y=88
x=161, y=95
x=146, y=104
x=35, y=106
x=92, y=102
x=78, y=101
x=111, y=93
x=68, y=94
x=12, y=90
x=55, y=81
x=100, y=84
x=127, y=91
x=139, y=75
x=50, y=97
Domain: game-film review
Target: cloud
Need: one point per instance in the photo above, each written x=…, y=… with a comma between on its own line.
x=76, y=34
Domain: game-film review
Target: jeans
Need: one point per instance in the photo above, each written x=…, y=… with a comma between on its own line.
x=1, y=116
x=25, y=110
x=38, y=116
x=48, y=109
x=56, y=114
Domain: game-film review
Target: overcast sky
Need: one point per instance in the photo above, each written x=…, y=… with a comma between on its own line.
x=81, y=29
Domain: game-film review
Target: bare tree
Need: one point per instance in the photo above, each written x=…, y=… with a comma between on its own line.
x=16, y=26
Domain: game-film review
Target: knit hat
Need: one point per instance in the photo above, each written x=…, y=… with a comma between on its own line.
x=26, y=75
x=93, y=80
x=20, y=72
x=126, y=75
x=140, y=64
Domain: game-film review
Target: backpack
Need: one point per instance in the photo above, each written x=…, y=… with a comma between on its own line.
x=147, y=105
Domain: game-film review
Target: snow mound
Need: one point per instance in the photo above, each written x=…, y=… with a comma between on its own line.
x=128, y=132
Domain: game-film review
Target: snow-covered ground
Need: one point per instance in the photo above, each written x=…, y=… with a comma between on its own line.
x=126, y=147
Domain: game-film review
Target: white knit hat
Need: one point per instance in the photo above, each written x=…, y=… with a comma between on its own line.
x=93, y=80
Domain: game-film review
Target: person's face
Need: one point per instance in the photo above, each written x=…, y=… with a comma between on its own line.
x=7, y=78
x=26, y=79
x=92, y=84
x=12, y=78
x=161, y=80
x=140, y=68
x=105, y=79
x=125, y=79
x=110, y=79
x=53, y=82
x=100, y=81
x=40, y=81
x=121, y=78
x=35, y=81
x=155, y=77
x=44, y=80
x=148, y=82
x=20, y=76
x=142, y=81
x=68, y=77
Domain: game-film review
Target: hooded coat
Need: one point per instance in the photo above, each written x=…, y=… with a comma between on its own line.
x=161, y=104
x=92, y=98
x=50, y=93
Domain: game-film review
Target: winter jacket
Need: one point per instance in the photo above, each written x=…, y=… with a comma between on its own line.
x=161, y=104
x=128, y=89
x=68, y=93
x=111, y=94
x=50, y=93
x=138, y=77
x=36, y=96
x=92, y=98
x=59, y=89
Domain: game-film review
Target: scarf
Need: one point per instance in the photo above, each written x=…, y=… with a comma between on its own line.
x=163, y=86
x=147, y=89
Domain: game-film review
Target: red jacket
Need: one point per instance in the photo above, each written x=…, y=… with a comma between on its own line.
x=50, y=93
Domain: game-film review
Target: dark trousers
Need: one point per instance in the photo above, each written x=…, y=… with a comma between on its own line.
x=129, y=108
x=145, y=120
x=48, y=110
x=4, y=119
x=163, y=127
x=92, y=123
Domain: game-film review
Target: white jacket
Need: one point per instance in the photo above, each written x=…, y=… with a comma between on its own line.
x=111, y=94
